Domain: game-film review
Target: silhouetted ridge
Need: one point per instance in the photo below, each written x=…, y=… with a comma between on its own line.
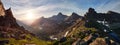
x=59, y=17
x=112, y=12
x=74, y=15
x=91, y=10
x=59, y=13
x=110, y=16
x=91, y=30
x=9, y=12
x=8, y=25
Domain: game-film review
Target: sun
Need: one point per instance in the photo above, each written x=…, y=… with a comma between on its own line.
x=30, y=16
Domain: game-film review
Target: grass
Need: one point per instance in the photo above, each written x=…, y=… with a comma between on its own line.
x=77, y=33
x=34, y=40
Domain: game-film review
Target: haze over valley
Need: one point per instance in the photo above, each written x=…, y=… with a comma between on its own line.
x=59, y=22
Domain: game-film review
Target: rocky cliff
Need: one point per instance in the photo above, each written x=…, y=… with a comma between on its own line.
x=8, y=25
x=110, y=16
x=93, y=29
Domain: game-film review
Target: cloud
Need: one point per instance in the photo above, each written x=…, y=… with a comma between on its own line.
x=49, y=8
x=109, y=5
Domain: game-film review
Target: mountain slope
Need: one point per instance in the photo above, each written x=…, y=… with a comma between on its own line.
x=27, y=27
x=53, y=25
x=89, y=31
x=13, y=34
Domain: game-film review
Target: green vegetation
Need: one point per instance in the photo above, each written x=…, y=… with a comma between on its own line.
x=32, y=40
x=78, y=33
x=68, y=42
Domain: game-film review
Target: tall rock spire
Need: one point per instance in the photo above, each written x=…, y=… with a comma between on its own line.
x=2, y=9
x=9, y=12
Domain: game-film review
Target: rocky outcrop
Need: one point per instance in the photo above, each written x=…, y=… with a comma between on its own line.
x=80, y=34
x=8, y=20
x=8, y=25
x=93, y=15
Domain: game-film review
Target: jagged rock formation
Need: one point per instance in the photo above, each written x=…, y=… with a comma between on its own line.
x=72, y=19
x=79, y=34
x=111, y=18
x=59, y=17
x=55, y=24
x=8, y=20
x=92, y=14
x=8, y=25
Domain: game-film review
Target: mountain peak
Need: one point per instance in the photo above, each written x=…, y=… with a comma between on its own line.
x=9, y=12
x=91, y=10
x=74, y=14
x=112, y=12
x=59, y=13
x=73, y=17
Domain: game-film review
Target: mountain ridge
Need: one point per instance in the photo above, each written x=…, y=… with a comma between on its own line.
x=55, y=24
x=89, y=31
x=11, y=33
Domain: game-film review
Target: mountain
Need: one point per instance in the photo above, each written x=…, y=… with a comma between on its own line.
x=111, y=18
x=44, y=23
x=72, y=19
x=45, y=27
x=92, y=14
x=11, y=33
x=59, y=17
x=27, y=27
x=8, y=26
x=53, y=25
x=90, y=30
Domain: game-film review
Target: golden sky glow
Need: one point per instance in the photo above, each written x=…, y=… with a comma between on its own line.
x=29, y=10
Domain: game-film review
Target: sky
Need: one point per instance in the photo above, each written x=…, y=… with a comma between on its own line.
x=30, y=10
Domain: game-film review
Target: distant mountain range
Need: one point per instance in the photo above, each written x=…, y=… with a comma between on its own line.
x=58, y=24
x=91, y=29
x=59, y=17
x=55, y=24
